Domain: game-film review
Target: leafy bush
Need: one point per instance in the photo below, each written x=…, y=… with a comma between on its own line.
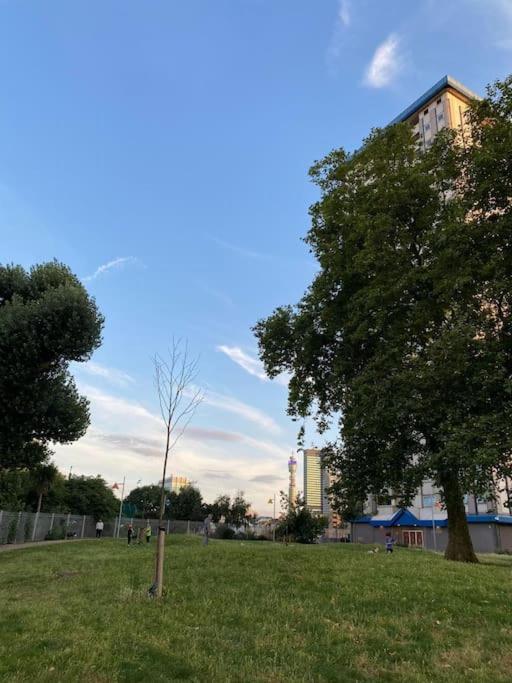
x=301, y=525
x=28, y=530
x=55, y=534
x=241, y=536
x=225, y=532
x=13, y=528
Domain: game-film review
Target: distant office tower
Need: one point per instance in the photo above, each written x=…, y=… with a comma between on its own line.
x=313, y=479
x=292, y=490
x=175, y=483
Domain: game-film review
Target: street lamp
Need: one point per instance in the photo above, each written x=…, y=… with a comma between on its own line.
x=270, y=502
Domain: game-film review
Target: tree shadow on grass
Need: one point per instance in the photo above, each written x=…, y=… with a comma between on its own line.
x=149, y=663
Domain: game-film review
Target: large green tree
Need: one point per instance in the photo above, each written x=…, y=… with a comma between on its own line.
x=187, y=504
x=90, y=496
x=47, y=320
x=405, y=335
x=146, y=499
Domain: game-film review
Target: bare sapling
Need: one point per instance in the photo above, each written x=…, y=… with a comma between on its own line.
x=174, y=377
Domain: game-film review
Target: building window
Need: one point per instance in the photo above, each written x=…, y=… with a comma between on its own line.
x=425, y=112
x=428, y=501
x=427, y=126
x=439, y=101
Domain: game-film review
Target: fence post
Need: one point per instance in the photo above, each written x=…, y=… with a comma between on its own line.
x=168, y=524
x=20, y=514
x=35, y=526
x=188, y=526
x=115, y=528
x=83, y=526
x=68, y=518
x=51, y=521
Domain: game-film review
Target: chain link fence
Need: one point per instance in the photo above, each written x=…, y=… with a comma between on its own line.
x=26, y=527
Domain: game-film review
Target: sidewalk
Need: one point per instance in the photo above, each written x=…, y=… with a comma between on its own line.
x=17, y=546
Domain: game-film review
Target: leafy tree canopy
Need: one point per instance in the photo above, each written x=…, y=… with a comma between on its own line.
x=300, y=524
x=47, y=320
x=187, y=504
x=146, y=499
x=405, y=334
x=91, y=496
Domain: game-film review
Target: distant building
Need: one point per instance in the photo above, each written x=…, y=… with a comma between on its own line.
x=317, y=480
x=313, y=479
x=175, y=483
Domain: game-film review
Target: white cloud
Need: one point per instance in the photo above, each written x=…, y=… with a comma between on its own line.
x=233, y=405
x=112, y=375
x=127, y=439
x=344, y=12
x=250, y=364
x=115, y=264
x=343, y=21
x=386, y=63
x=241, y=251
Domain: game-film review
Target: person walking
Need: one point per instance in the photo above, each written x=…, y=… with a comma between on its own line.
x=390, y=542
x=130, y=533
x=99, y=528
x=207, y=526
x=148, y=533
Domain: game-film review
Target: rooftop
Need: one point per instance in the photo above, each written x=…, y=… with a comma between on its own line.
x=445, y=82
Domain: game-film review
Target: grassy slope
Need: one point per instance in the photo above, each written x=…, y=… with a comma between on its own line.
x=252, y=612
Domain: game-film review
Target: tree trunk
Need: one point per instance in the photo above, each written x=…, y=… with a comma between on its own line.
x=460, y=545
x=39, y=502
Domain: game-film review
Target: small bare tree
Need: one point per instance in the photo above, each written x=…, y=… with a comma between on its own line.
x=174, y=382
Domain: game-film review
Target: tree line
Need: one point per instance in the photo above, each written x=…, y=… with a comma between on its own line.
x=187, y=504
x=45, y=489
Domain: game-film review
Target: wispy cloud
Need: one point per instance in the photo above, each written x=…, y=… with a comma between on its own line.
x=115, y=264
x=241, y=251
x=126, y=438
x=236, y=407
x=344, y=12
x=385, y=65
x=250, y=364
x=343, y=21
x=112, y=375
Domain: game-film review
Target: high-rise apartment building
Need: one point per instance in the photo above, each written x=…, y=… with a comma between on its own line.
x=442, y=106
x=313, y=479
x=175, y=483
x=316, y=482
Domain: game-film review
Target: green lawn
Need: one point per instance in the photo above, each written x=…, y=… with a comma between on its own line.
x=252, y=612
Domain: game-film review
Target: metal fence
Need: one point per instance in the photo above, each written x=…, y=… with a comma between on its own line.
x=25, y=527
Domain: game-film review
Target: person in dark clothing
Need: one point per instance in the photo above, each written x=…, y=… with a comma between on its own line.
x=130, y=533
x=390, y=542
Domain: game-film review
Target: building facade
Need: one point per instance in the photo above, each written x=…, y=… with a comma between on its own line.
x=175, y=483
x=424, y=523
x=313, y=494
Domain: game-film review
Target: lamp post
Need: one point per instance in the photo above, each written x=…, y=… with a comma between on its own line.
x=270, y=502
x=120, y=508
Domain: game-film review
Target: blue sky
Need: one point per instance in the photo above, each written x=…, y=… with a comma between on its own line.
x=161, y=149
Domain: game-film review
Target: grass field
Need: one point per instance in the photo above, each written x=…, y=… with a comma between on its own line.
x=252, y=612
